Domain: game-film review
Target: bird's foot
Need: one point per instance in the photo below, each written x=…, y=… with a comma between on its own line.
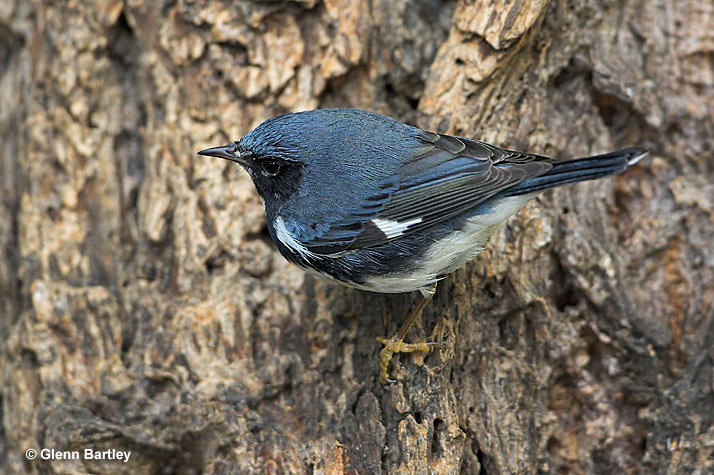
x=397, y=345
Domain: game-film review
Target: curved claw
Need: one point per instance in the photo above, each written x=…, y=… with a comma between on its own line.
x=394, y=345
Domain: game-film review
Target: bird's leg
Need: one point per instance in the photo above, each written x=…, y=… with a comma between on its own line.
x=396, y=343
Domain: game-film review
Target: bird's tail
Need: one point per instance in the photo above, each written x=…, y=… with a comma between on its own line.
x=580, y=169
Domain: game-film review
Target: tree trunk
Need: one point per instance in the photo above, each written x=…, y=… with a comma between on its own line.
x=146, y=310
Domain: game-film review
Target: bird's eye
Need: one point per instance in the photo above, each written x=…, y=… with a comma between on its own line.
x=271, y=167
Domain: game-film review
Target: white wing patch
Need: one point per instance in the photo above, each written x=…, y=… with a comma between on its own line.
x=393, y=229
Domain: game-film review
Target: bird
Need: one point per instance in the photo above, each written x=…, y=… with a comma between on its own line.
x=373, y=203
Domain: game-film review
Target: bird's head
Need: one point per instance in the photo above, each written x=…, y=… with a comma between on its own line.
x=323, y=157
x=275, y=167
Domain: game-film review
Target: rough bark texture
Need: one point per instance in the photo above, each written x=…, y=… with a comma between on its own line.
x=144, y=308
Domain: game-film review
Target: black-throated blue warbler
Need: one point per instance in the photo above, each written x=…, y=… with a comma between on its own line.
x=376, y=204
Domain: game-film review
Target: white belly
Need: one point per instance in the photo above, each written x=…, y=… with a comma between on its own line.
x=447, y=255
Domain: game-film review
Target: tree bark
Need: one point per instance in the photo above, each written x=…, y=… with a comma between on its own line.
x=145, y=309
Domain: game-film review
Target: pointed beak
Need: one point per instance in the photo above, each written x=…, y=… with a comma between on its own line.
x=227, y=152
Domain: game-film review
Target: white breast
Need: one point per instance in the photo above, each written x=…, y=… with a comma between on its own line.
x=284, y=236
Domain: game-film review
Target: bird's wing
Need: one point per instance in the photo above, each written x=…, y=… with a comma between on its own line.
x=446, y=176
